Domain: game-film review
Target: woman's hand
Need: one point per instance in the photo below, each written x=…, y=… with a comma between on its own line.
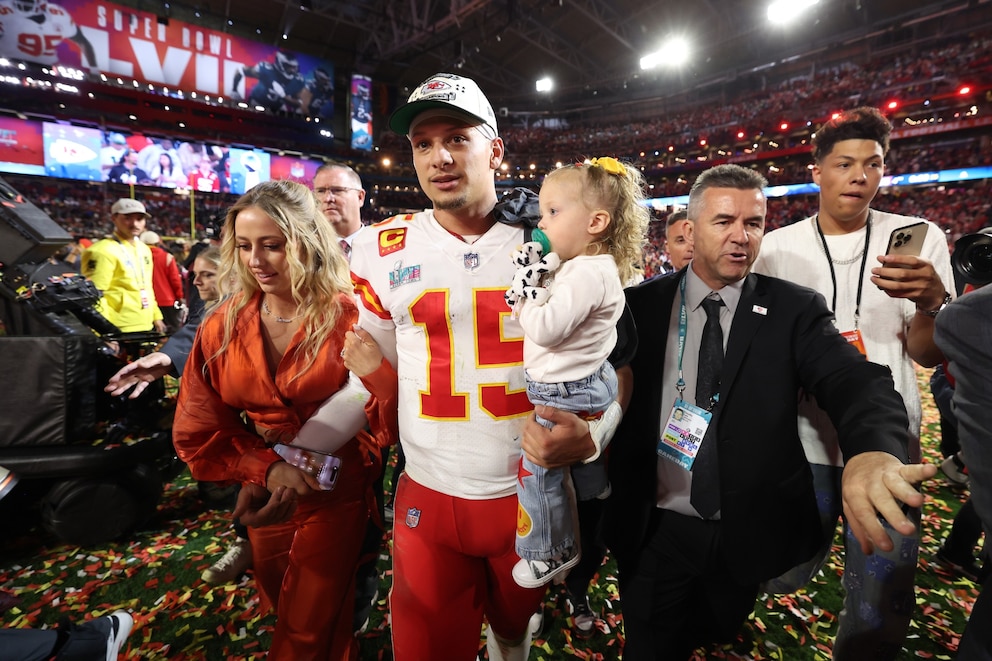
x=282, y=474
x=361, y=354
x=139, y=374
x=257, y=507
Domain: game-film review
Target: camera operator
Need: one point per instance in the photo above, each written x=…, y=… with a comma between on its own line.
x=964, y=334
x=171, y=358
x=121, y=267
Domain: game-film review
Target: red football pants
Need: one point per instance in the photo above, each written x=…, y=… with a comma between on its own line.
x=452, y=559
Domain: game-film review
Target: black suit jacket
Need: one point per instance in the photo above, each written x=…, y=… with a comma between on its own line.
x=178, y=346
x=782, y=338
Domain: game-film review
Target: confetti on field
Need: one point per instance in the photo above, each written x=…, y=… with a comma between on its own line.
x=155, y=573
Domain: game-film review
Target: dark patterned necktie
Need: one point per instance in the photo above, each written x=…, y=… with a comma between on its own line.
x=346, y=248
x=705, y=497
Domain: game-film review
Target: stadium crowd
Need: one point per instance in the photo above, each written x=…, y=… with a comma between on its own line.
x=959, y=209
x=800, y=101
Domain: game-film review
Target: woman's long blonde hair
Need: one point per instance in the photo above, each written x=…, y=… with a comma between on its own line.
x=318, y=269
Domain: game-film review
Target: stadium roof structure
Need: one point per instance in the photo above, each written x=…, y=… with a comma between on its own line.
x=590, y=48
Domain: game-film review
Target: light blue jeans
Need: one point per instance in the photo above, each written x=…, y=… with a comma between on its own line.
x=879, y=588
x=543, y=492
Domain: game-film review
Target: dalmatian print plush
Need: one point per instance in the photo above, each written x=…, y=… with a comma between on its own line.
x=527, y=282
x=527, y=254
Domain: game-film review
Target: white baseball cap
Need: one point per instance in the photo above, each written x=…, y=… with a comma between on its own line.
x=446, y=95
x=150, y=238
x=126, y=205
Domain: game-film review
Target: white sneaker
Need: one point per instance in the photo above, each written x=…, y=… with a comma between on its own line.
x=536, y=623
x=235, y=562
x=101, y=638
x=121, y=623
x=503, y=651
x=583, y=619
x=955, y=470
x=535, y=573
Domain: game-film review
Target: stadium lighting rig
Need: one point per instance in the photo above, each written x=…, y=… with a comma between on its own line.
x=673, y=53
x=783, y=12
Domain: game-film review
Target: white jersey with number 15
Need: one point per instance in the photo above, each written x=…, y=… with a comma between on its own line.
x=462, y=396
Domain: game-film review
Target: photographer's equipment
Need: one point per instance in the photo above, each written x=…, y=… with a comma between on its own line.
x=93, y=464
x=972, y=257
x=27, y=234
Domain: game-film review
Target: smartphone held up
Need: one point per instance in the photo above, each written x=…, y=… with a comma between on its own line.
x=322, y=466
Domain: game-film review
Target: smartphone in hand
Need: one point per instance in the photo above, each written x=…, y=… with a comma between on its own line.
x=325, y=467
x=907, y=240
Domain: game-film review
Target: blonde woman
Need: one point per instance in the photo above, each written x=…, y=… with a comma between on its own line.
x=272, y=351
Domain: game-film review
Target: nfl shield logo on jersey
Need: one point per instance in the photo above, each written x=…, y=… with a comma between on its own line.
x=412, y=517
x=471, y=261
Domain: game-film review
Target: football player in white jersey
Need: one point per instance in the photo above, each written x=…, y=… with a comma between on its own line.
x=433, y=279
x=431, y=288
x=32, y=30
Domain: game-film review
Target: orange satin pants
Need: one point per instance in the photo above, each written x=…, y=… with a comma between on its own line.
x=305, y=569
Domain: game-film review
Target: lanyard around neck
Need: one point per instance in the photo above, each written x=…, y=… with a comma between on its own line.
x=683, y=324
x=833, y=275
x=133, y=259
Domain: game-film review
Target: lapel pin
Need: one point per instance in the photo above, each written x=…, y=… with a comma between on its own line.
x=760, y=310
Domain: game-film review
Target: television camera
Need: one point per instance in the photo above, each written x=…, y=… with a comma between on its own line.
x=972, y=257
x=94, y=464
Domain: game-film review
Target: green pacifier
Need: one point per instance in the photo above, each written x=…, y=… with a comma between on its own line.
x=542, y=238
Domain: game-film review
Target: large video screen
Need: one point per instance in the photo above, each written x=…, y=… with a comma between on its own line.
x=361, y=112
x=247, y=168
x=117, y=156
x=72, y=152
x=22, y=146
x=133, y=158
x=122, y=41
x=294, y=168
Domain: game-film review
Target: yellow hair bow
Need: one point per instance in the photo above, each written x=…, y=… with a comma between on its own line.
x=610, y=164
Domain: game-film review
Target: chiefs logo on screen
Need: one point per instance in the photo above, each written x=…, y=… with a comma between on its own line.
x=391, y=240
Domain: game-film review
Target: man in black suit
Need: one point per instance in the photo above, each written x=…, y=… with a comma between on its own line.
x=695, y=536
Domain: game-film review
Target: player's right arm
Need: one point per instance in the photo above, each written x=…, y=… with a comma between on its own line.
x=236, y=82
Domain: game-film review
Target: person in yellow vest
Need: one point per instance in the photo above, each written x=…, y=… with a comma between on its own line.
x=121, y=267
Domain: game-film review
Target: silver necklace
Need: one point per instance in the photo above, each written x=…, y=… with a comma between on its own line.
x=281, y=320
x=838, y=262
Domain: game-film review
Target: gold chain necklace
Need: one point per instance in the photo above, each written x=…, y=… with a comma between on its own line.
x=281, y=320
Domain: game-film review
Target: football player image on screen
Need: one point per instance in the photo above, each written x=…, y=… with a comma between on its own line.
x=317, y=97
x=32, y=30
x=278, y=83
